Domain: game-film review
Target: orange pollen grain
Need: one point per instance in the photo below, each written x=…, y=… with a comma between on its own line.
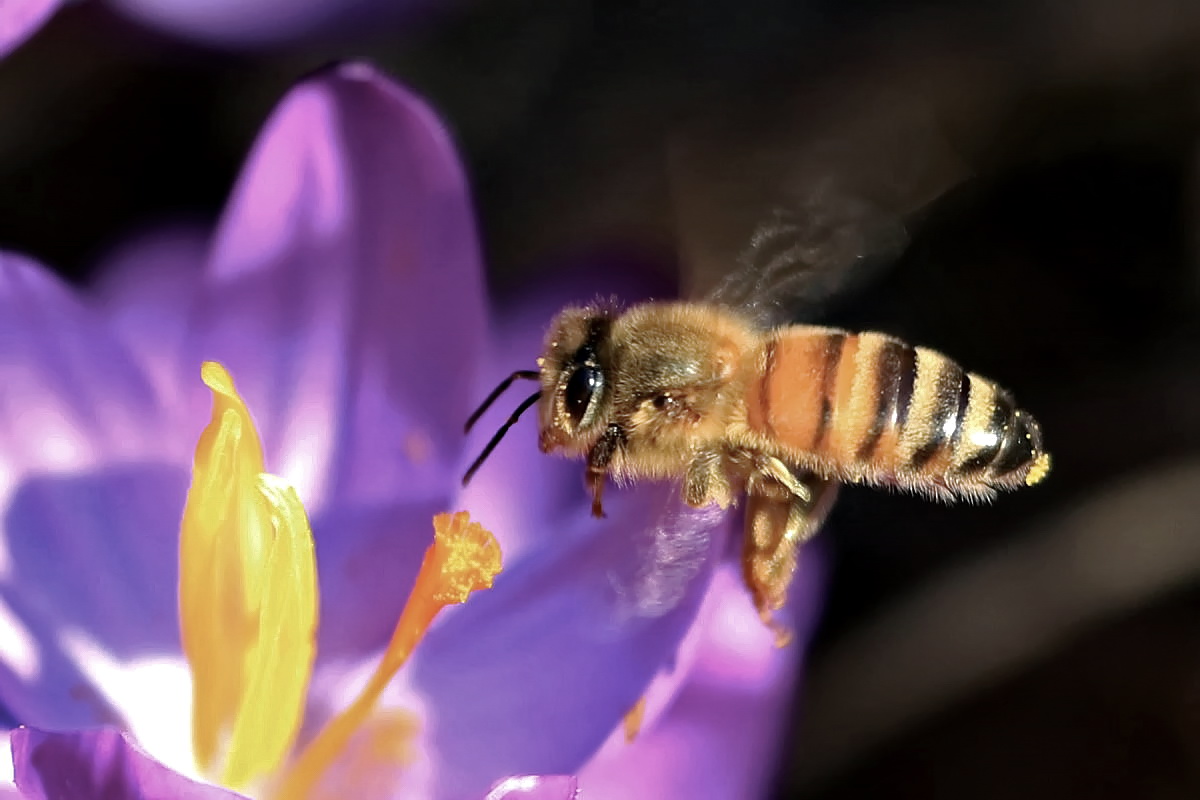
x=632, y=722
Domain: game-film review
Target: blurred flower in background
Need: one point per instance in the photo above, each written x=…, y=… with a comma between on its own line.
x=243, y=22
x=234, y=22
x=20, y=18
x=343, y=290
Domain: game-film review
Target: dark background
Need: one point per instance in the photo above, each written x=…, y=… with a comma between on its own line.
x=1022, y=185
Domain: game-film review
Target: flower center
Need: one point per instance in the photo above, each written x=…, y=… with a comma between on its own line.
x=248, y=613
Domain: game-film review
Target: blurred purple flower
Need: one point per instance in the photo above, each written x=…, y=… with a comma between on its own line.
x=343, y=290
x=237, y=23
x=250, y=22
x=20, y=18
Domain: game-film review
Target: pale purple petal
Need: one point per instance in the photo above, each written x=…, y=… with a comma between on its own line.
x=346, y=293
x=368, y=557
x=100, y=764
x=720, y=738
x=79, y=543
x=72, y=394
x=96, y=553
x=144, y=288
x=536, y=787
x=20, y=18
x=530, y=676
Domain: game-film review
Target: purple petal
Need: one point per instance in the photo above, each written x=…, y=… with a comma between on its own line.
x=100, y=764
x=20, y=18
x=79, y=545
x=368, y=557
x=346, y=292
x=72, y=394
x=720, y=738
x=144, y=287
x=94, y=553
x=530, y=676
x=536, y=787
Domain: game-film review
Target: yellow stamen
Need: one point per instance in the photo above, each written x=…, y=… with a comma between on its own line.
x=247, y=597
x=633, y=720
x=463, y=558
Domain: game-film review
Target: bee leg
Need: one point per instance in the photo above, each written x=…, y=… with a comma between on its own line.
x=706, y=481
x=779, y=520
x=781, y=473
x=595, y=484
x=598, y=461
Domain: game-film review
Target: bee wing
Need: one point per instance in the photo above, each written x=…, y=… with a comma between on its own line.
x=784, y=205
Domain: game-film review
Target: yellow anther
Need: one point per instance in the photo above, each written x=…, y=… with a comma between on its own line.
x=247, y=598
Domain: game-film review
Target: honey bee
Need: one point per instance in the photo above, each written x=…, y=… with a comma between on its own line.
x=781, y=416
x=780, y=209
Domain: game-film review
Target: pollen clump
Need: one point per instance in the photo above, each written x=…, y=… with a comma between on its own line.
x=247, y=598
x=1039, y=470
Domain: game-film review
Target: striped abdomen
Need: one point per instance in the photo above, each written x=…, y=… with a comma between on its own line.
x=867, y=407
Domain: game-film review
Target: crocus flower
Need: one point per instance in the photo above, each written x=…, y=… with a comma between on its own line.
x=343, y=290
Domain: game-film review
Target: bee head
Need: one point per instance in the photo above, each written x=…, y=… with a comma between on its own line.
x=575, y=368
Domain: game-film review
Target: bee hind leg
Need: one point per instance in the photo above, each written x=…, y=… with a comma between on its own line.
x=779, y=519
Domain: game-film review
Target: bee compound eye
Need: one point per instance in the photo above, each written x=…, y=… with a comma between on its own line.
x=581, y=389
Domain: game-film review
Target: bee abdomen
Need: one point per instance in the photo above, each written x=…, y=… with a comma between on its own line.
x=871, y=408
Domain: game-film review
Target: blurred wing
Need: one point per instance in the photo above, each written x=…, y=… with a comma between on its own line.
x=786, y=204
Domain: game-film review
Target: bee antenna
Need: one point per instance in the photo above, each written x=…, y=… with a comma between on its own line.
x=522, y=374
x=512, y=420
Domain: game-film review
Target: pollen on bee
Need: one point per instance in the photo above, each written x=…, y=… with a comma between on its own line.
x=1039, y=470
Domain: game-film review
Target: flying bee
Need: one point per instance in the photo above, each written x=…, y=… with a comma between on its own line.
x=785, y=203
x=698, y=392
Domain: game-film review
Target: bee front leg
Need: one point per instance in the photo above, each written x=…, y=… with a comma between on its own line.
x=706, y=480
x=599, y=458
x=779, y=519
